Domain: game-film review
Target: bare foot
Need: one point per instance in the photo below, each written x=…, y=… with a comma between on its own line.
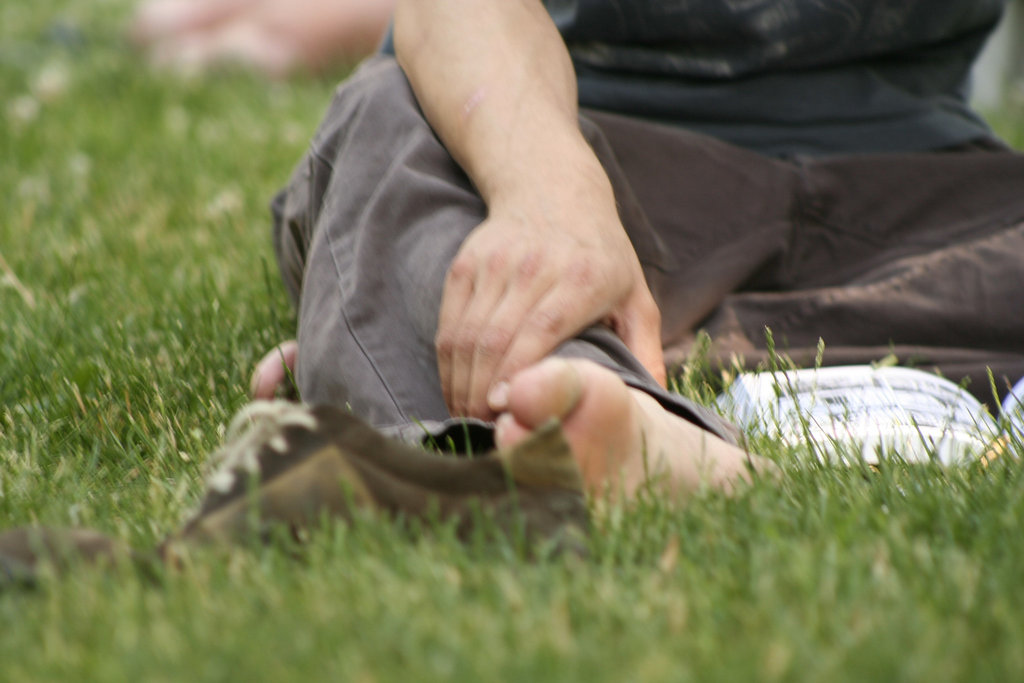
x=621, y=437
x=273, y=373
x=276, y=37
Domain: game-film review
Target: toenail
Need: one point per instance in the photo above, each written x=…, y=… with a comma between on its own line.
x=501, y=426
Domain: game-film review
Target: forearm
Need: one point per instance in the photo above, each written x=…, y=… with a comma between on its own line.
x=495, y=81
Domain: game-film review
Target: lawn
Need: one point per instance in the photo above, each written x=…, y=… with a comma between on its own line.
x=137, y=287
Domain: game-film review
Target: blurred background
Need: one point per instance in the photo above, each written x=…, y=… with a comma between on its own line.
x=999, y=73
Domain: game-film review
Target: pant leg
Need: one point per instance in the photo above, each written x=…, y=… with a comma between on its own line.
x=365, y=232
x=720, y=214
x=917, y=255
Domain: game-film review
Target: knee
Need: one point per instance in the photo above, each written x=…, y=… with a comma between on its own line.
x=376, y=95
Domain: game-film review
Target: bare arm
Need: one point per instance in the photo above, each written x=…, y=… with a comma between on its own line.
x=495, y=81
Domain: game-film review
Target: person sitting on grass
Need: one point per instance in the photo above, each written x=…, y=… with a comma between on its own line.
x=522, y=210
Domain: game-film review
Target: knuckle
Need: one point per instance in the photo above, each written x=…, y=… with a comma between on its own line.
x=581, y=274
x=493, y=341
x=462, y=268
x=444, y=343
x=548, y=321
x=497, y=260
x=529, y=266
x=465, y=342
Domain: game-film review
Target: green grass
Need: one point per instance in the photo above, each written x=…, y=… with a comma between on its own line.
x=137, y=287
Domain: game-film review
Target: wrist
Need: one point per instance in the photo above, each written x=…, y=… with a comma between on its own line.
x=561, y=181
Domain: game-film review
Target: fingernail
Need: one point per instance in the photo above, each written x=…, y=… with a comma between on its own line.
x=497, y=397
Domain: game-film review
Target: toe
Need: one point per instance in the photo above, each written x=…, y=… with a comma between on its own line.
x=273, y=370
x=552, y=388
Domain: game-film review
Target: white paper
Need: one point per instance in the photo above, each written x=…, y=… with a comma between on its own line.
x=863, y=413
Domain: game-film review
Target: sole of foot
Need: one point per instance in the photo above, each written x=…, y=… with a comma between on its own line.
x=622, y=438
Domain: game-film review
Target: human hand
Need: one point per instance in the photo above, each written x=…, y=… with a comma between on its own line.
x=523, y=283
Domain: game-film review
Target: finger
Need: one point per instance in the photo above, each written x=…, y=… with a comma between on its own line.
x=488, y=289
x=555, y=318
x=458, y=288
x=497, y=335
x=639, y=327
x=528, y=284
x=467, y=339
x=577, y=299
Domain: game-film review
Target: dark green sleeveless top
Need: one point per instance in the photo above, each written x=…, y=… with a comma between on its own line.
x=786, y=77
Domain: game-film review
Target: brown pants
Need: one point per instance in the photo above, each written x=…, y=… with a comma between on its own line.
x=920, y=255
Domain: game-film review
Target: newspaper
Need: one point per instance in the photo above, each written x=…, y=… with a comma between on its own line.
x=1012, y=412
x=862, y=413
